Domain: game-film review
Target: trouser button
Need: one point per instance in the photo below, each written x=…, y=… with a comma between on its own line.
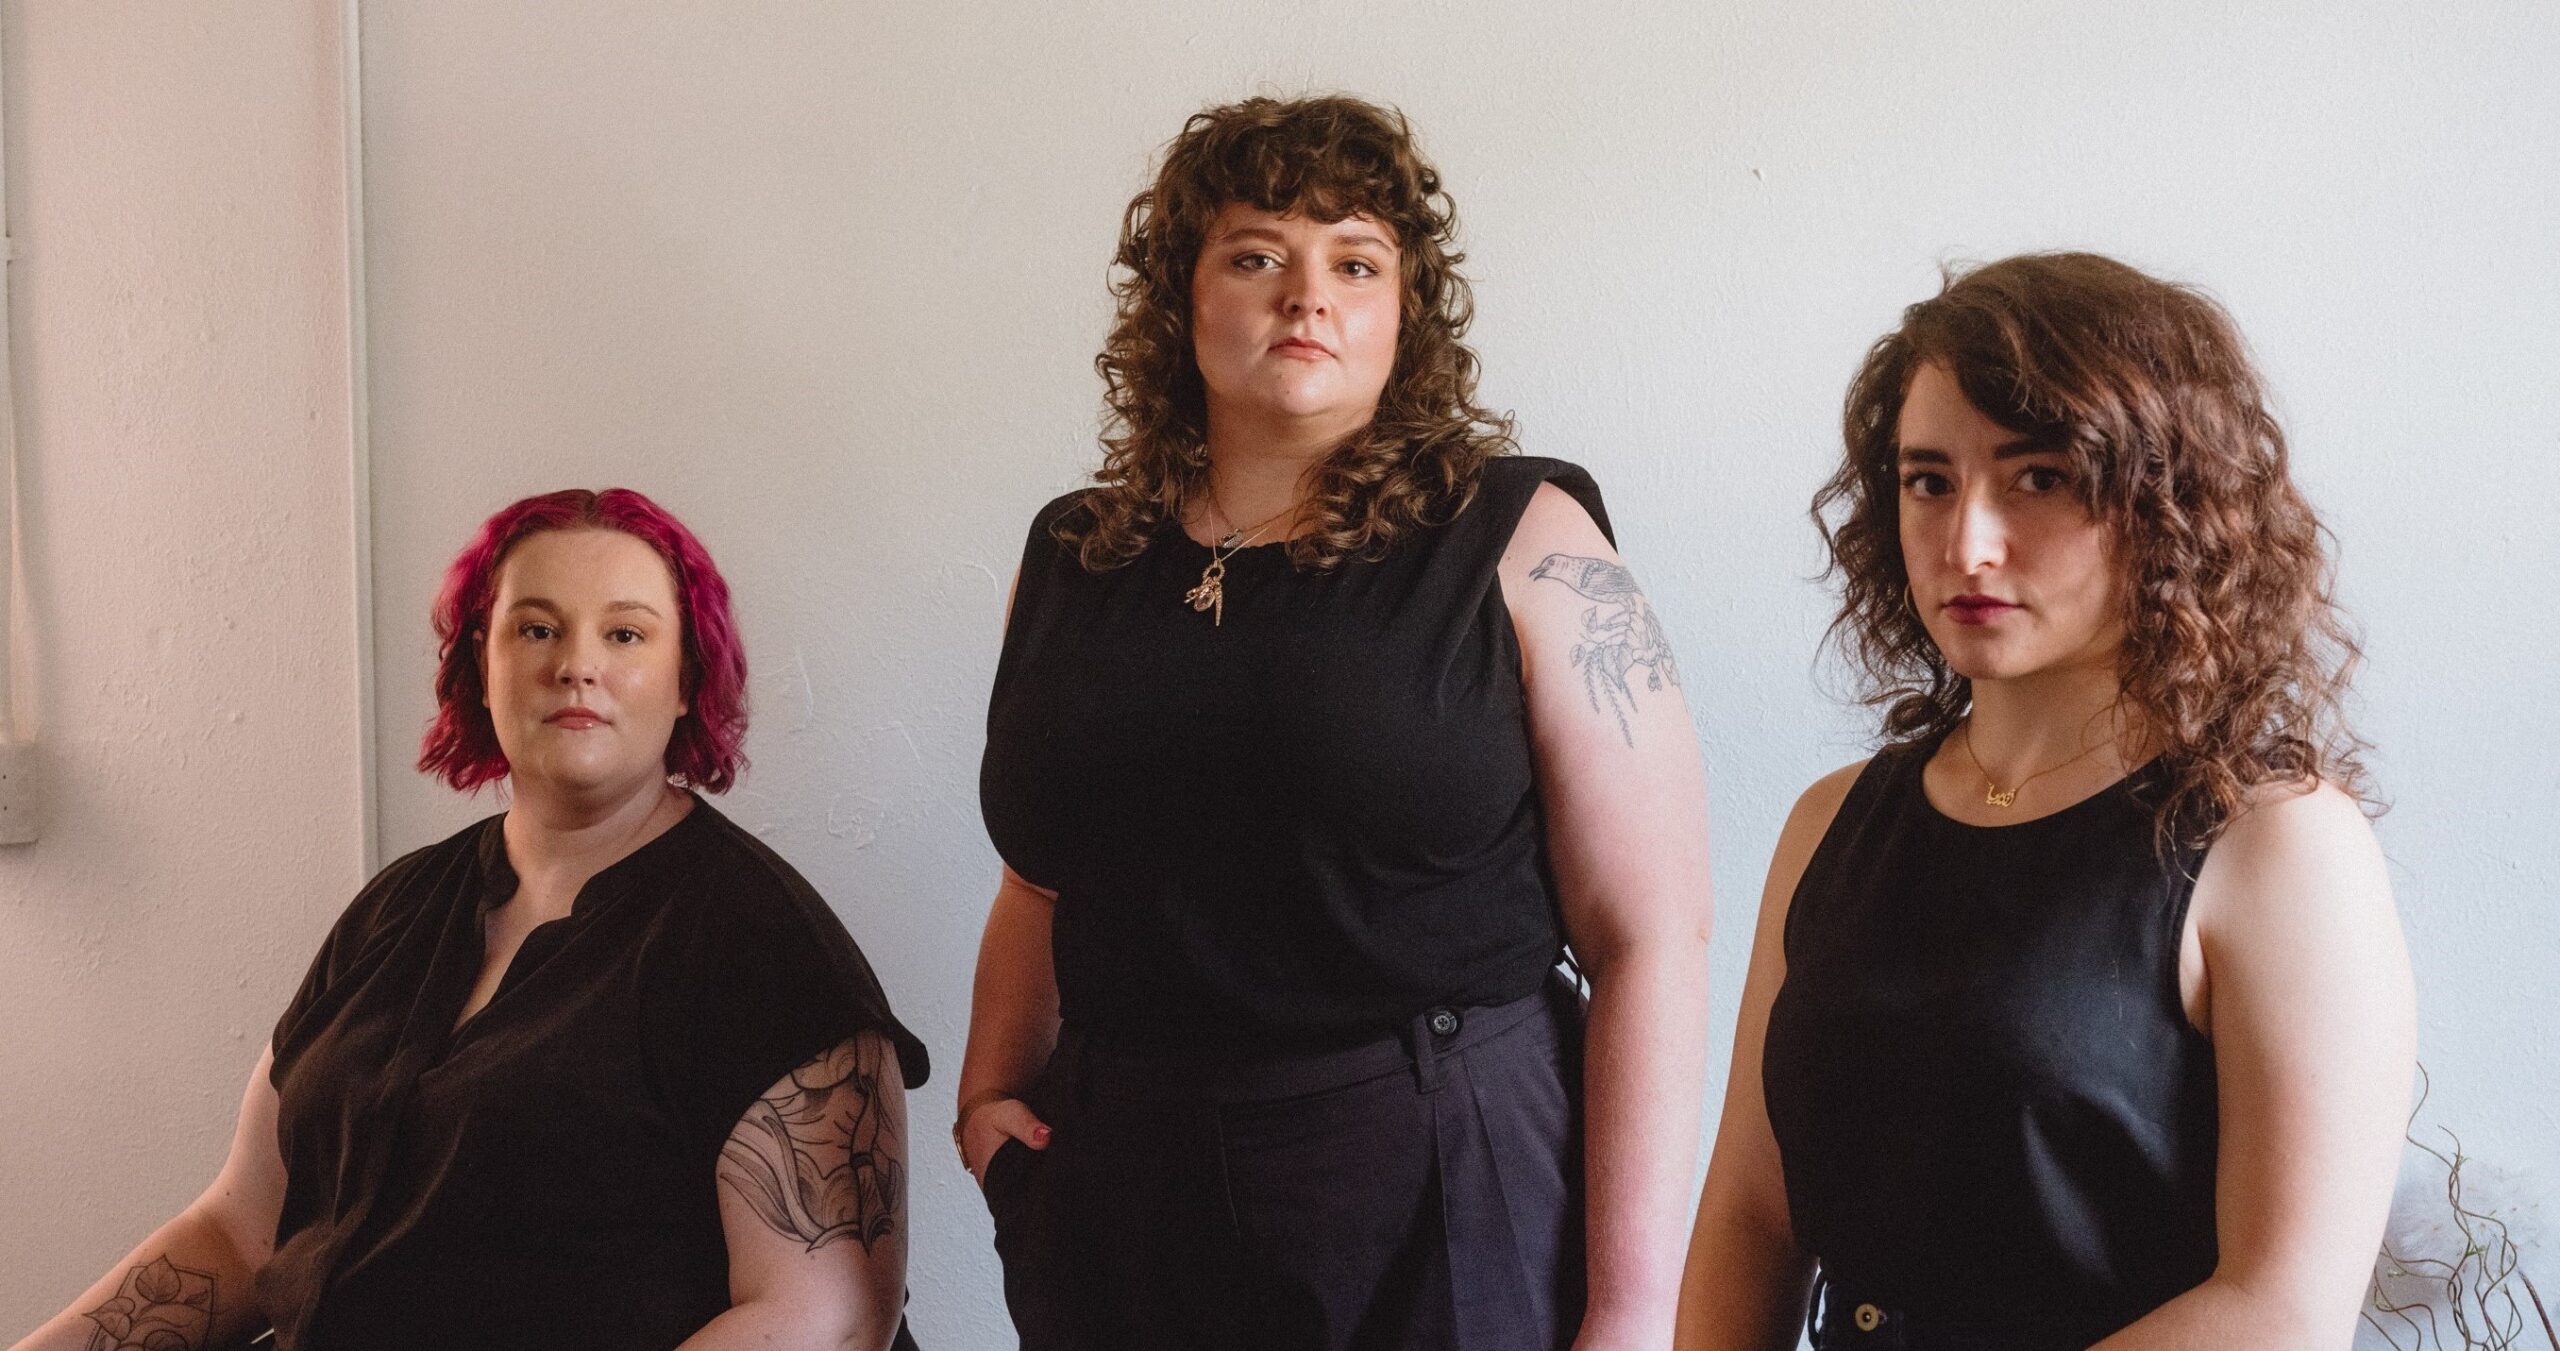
x=1444, y=1023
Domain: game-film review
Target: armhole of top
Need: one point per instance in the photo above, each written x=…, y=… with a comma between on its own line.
x=1511, y=482
x=2181, y=872
x=1860, y=799
x=1504, y=493
x=1030, y=577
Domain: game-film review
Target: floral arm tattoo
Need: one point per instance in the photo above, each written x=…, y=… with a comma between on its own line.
x=818, y=1158
x=1619, y=634
x=160, y=1307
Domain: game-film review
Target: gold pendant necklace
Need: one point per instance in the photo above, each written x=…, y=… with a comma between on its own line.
x=1991, y=794
x=1211, y=594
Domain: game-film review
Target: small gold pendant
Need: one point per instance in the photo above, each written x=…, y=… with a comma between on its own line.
x=1994, y=797
x=1210, y=594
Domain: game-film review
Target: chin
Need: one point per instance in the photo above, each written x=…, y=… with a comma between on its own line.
x=1989, y=659
x=580, y=778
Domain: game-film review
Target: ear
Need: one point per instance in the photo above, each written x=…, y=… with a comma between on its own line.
x=480, y=660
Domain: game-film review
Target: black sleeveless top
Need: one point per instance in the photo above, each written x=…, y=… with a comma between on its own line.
x=1991, y=1107
x=1297, y=828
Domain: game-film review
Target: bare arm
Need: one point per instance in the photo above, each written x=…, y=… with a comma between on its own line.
x=1013, y=1023
x=1625, y=798
x=2309, y=1004
x=188, y=1284
x=813, y=1204
x=1013, y=1017
x=1745, y=1286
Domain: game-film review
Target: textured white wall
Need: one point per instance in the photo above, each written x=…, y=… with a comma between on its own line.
x=826, y=279
x=177, y=193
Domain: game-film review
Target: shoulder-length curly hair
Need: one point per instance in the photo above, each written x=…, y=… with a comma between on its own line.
x=2236, y=658
x=704, y=749
x=1326, y=158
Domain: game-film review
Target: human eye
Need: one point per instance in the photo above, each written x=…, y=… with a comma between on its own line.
x=625, y=635
x=1925, y=483
x=2043, y=478
x=1255, y=261
x=1361, y=268
x=535, y=630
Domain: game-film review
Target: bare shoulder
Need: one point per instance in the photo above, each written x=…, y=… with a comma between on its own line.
x=2288, y=826
x=2293, y=854
x=1554, y=523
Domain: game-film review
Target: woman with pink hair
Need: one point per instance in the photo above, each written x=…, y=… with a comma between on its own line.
x=600, y=1070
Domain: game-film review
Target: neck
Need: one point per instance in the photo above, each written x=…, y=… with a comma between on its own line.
x=1259, y=466
x=2028, y=723
x=556, y=840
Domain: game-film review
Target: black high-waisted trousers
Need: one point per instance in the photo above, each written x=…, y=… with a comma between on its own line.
x=1420, y=1192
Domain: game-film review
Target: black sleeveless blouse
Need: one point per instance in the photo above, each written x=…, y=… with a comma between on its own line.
x=1990, y=1105
x=1300, y=827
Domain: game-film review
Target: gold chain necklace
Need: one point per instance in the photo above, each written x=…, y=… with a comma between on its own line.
x=1991, y=794
x=1211, y=593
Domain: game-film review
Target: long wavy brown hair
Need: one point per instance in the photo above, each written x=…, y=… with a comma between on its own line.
x=1418, y=461
x=2236, y=658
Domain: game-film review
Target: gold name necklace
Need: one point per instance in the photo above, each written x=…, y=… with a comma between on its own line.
x=1211, y=594
x=1991, y=794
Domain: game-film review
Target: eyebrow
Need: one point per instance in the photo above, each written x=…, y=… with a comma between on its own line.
x=2007, y=450
x=1266, y=233
x=618, y=607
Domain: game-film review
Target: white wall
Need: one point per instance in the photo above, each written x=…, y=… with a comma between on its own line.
x=176, y=190
x=828, y=279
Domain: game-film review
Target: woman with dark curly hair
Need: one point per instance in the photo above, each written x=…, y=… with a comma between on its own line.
x=2078, y=1015
x=1323, y=725
x=600, y=1070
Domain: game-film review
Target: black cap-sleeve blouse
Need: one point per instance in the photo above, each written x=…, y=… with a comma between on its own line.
x=544, y=1176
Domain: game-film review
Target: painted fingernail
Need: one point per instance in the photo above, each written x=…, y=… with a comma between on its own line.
x=1040, y=1135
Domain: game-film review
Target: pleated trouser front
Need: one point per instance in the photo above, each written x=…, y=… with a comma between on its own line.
x=1420, y=1192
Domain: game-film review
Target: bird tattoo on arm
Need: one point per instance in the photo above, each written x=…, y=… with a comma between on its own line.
x=1619, y=634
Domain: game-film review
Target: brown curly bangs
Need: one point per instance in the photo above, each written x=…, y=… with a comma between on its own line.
x=1418, y=462
x=2236, y=658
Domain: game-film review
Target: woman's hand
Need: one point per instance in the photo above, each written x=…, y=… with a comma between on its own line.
x=985, y=1127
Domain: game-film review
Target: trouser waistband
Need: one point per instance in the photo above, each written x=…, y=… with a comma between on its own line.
x=1842, y=1318
x=1100, y=1064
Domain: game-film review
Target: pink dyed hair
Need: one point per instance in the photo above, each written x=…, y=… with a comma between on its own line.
x=461, y=745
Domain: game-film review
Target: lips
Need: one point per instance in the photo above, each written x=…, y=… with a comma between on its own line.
x=575, y=718
x=1301, y=347
x=1977, y=609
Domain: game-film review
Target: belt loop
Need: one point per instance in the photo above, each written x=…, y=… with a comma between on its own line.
x=1426, y=1053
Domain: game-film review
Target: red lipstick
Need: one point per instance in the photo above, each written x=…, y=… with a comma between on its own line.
x=1977, y=609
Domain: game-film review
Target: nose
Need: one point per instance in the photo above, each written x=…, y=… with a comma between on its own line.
x=578, y=662
x=1977, y=537
x=1305, y=295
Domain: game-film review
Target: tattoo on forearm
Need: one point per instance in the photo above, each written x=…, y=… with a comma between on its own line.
x=160, y=1307
x=822, y=1161
x=1619, y=634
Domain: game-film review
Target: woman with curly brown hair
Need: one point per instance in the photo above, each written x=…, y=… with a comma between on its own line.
x=1324, y=723
x=2078, y=1015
